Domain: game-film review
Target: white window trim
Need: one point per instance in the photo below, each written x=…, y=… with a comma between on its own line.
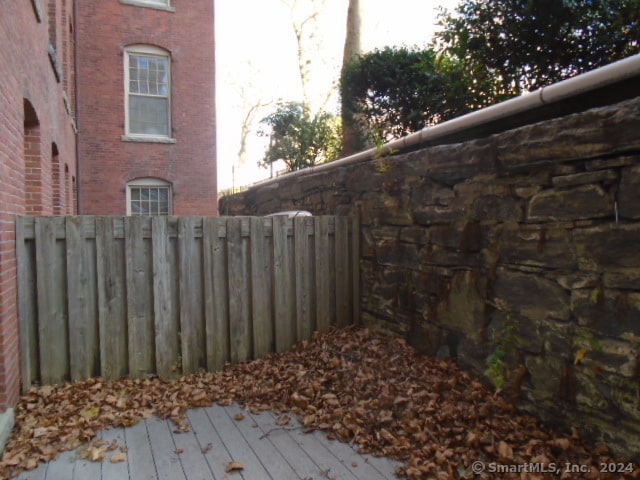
x=140, y=137
x=149, y=182
x=158, y=5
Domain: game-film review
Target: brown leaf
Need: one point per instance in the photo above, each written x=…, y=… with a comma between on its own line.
x=563, y=443
x=283, y=420
x=118, y=457
x=239, y=416
x=90, y=412
x=505, y=451
x=40, y=432
x=234, y=466
x=97, y=454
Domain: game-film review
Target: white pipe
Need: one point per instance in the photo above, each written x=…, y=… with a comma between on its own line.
x=600, y=77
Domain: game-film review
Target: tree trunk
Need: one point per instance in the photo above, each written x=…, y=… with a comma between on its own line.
x=351, y=138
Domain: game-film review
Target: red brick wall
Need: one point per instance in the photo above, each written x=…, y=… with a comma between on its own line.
x=107, y=162
x=26, y=180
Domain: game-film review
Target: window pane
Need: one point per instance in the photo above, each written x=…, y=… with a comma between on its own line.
x=148, y=94
x=148, y=115
x=150, y=200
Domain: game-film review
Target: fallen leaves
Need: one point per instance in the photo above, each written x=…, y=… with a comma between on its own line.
x=118, y=457
x=283, y=420
x=234, y=466
x=354, y=384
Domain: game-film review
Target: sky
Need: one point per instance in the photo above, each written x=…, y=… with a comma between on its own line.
x=256, y=62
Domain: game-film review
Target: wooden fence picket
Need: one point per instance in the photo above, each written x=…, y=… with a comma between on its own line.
x=192, y=332
x=112, y=294
x=53, y=335
x=27, y=304
x=305, y=284
x=140, y=322
x=115, y=296
x=283, y=285
x=261, y=289
x=165, y=300
x=84, y=348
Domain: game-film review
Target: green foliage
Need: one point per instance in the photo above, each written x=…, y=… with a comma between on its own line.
x=486, y=51
x=300, y=139
x=506, y=342
x=513, y=46
x=395, y=91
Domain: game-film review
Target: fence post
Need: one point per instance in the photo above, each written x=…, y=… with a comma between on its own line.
x=27, y=299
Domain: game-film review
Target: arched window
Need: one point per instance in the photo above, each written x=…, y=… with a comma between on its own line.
x=33, y=188
x=149, y=196
x=147, y=73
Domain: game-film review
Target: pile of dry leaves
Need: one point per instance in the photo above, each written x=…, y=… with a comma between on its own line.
x=357, y=385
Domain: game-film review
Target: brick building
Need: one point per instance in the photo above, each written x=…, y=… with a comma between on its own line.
x=146, y=116
x=37, y=148
x=106, y=107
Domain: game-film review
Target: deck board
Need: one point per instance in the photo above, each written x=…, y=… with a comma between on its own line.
x=211, y=445
x=270, y=457
x=114, y=471
x=294, y=455
x=62, y=468
x=139, y=455
x=194, y=463
x=165, y=457
x=267, y=451
x=236, y=444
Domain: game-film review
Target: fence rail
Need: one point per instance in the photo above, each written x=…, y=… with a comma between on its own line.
x=114, y=296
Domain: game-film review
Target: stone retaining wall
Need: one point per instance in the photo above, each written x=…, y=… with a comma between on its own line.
x=528, y=241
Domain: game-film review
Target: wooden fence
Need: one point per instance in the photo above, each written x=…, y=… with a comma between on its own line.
x=114, y=296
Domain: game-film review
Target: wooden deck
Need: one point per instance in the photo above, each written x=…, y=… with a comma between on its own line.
x=266, y=450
